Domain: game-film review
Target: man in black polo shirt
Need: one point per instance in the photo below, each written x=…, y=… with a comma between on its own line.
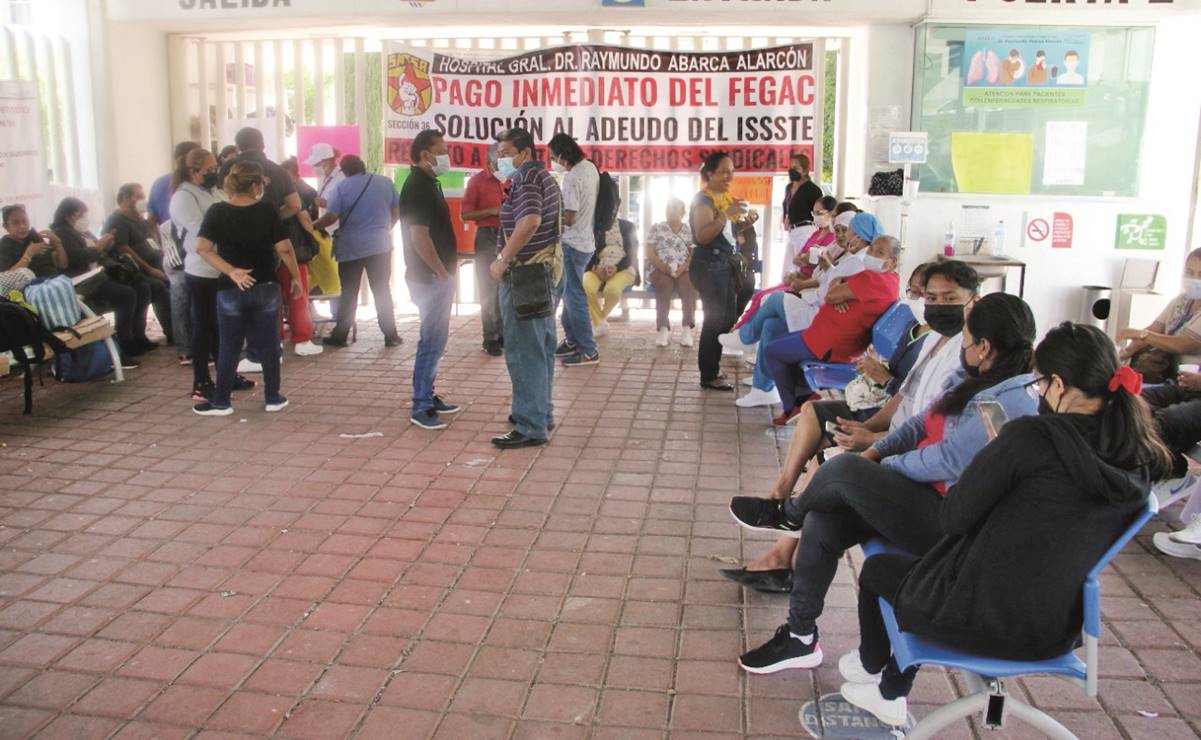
x=430, y=263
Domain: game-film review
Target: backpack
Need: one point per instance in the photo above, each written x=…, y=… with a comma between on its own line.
x=607, y=197
x=20, y=328
x=55, y=302
x=89, y=362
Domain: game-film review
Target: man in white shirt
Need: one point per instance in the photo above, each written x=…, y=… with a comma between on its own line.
x=323, y=158
x=581, y=183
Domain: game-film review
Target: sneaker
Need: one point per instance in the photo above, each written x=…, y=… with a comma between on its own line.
x=247, y=366
x=308, y=349
x=732, y=341
x=851, y=668
x=1190, y=535
x=128, y=363
x=781, y=652
x=393, y=341
x=579, y=359
x=202, y=392
x=664, y=338
x=185, y=361
x=1167, y=544
x=867, y=696
x=427, y=419
x=600, y=329
x=686, y=337
x=492, y=347
x=242, y=384
x=758, y=397
x=565, y=349
x=763, y=513
x=442, y=407
x=279, y=405
x=208, y=409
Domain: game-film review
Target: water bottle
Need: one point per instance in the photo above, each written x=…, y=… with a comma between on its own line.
x=948, y=242
x=998, y=239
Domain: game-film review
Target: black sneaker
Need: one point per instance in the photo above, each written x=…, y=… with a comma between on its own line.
x=442, y=407
x=393, y=341
x=242, y=384
x=492, y=347
x=781, y=652
x=128, y=363
x=550, y=426
x=579, y=359
x=564, y=349
x=763, y=513
x=202, y=391
x=208, y=409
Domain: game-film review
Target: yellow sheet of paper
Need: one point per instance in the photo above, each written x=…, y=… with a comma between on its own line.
x=992, y=163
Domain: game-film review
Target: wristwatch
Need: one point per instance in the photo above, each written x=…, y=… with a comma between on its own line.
x=504, y=260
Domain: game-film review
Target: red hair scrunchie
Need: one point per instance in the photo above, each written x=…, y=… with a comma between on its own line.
x=1128, y=378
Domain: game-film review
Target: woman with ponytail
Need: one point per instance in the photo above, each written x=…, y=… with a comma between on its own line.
x=896, y=487
x=1048, y=496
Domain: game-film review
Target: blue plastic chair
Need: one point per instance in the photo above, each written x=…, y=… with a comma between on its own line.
x=887, y=335
x=983, y=675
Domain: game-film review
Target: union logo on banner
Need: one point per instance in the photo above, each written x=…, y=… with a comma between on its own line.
x=409, y=90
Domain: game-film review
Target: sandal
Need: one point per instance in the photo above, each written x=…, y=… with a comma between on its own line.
x=716, y=384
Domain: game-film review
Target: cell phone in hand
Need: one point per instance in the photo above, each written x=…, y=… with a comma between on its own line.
x=833, y=428
x=35, y=236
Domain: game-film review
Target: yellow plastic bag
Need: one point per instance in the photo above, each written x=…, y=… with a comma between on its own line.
x=323, y=269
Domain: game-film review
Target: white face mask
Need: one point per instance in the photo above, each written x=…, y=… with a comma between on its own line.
x=505, y=168
x=822, y=221
x=83, y=224
x=875, y=264
x=917, y=307
x=441, y=164
x=1192, y=288
x=557, y=167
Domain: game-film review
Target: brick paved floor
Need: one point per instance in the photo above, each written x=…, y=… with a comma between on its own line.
x=164, y=575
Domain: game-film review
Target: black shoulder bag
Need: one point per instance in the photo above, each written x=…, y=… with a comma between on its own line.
x=342, y=219
x=532, y=285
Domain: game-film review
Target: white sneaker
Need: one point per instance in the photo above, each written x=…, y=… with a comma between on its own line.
x=853, y=671
x=1190, y=535
x=731, y=340
x=748, y=381
x=246, y=366
x=663, y=339
x=758, y=397
x=600, y=329
x=866, y=696
x=1167, y=544
x=307, y=349
x=686, y=337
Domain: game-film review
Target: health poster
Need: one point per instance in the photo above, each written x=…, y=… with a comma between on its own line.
x=1025, y=68
x=992, y=163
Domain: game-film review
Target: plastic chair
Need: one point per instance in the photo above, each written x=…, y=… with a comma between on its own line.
x=887, y=334
x=983, y=676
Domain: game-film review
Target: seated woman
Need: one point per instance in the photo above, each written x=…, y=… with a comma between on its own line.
x=895, y=488
x=782, y=313
x=1049, y=496
x=668, y=255
x=1174, y=336
x=842, y=327
x=613, y=269
x=129, y=302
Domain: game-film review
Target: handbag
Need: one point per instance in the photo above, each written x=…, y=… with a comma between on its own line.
x=744, y=273
x=887, y=183
x=303, y=243
x=342, y=219
x=55, y=302
x=532, y=287
x=121, y=268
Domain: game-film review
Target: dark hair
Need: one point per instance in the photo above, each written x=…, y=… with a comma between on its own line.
x=351, y=164
x=829, y=202
x=249, y=139
x=710, y=163
x=9, y=210
x=921, y=273
x=803, y=159
x=423, y=142
x=1007, y=323
x=1084, y=358
x=519, y=138
x=1195, y=254
x=960, y=273
x=126, y=191
x=227, y=151
x=565, y=148
x=1071, y=53
x=67, y=208
x=242, y=178
x=182, y=149
x=193, y=160
x=290, y=165
x=845, y=206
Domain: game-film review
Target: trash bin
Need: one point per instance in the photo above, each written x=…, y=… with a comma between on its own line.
x=1097, y=306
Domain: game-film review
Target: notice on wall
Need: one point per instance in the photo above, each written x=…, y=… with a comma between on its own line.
x=1065, y=150
x=23, y=176
x=632, y=110
x=992, y=163
x=1036, y=67
x=344, y=140
x=1142, y=231
x=1062, y=230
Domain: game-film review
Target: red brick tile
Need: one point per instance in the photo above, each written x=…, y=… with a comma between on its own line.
x=632, y=672
x=62, y=590
x=184, y=705
x=36, y=650
x=152, y=731
x=505, y=663
x=78, y=620
x=273, y=610
x=456, y=628
x=11, y=678
x=636, y=708
x=348, y=683
x=251, y=639
x=338, y=617
x=115, y=596
x=135, y=627
x=285, y=677
x=707, y=677
x=375, y=651
x=561, y=703
x=382, y=723
x=581, y=638
x=22, y=721
x=52, y=690
x=158, y=663
x=395, y=622
x=321, y=720
x=419, y=691
x=476, y=727
x=489, y=696
x=117, y=697
x=377, y=569
x=73, y=727
x=219, y=670
x=707, y=713
x=309, y=588
x=22, y=614
x=310, y=645
x=353, y=591
x=518, y=634
x=191, y=633
x=255, y=714
x=438, y=657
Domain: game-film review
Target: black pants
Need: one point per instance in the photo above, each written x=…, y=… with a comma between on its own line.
x=160, y=298
x=849, y=500
x=379, y=276
x=127, y=302
x=486, y=285
x=881, y=578
x=202, y=305
x=714, y=281
x=1177, y=414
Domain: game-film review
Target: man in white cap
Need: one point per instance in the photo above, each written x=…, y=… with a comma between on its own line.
x=323, y=158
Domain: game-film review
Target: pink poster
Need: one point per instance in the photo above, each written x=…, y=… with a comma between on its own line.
x=344, y=139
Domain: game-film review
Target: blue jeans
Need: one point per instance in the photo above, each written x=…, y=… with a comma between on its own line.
x=577, y=324
x=530, y=358
x=434, y=301
x=251, y=316
x=784, y=357
x=713, y=280
x=767, y=324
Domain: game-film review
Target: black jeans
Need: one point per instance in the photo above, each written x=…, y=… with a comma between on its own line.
x=379, y=276
x=1177, y=414
x=881, y=578
x=849, y=500
x=125, y=301
x=160, y=298
x=714, y=281
x=202, y=305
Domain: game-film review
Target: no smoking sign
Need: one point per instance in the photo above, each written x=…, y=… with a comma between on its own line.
x=1038, y=229
x=1056, y=227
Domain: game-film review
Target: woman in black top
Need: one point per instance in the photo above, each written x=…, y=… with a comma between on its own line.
x=801, y=194
x=241, y=239
x=712, y=211
x=1048, y=496
x=16, y=245
x=83, y=251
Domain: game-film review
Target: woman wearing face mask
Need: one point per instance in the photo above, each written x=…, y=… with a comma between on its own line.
x=895, y=488
x=84, y=251
x=800, y=197
x=1174, y=336
x=240, y=238
x=1049, y=495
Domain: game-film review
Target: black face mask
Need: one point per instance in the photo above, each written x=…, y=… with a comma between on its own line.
x=1043, y=406
x=794, y=176
x=946, y=319
x=210, y=181
x=973, y=371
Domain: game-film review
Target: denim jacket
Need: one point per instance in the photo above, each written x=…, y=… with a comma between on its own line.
x=964, y=435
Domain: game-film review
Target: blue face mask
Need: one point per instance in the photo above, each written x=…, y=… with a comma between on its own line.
x=505, y=168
